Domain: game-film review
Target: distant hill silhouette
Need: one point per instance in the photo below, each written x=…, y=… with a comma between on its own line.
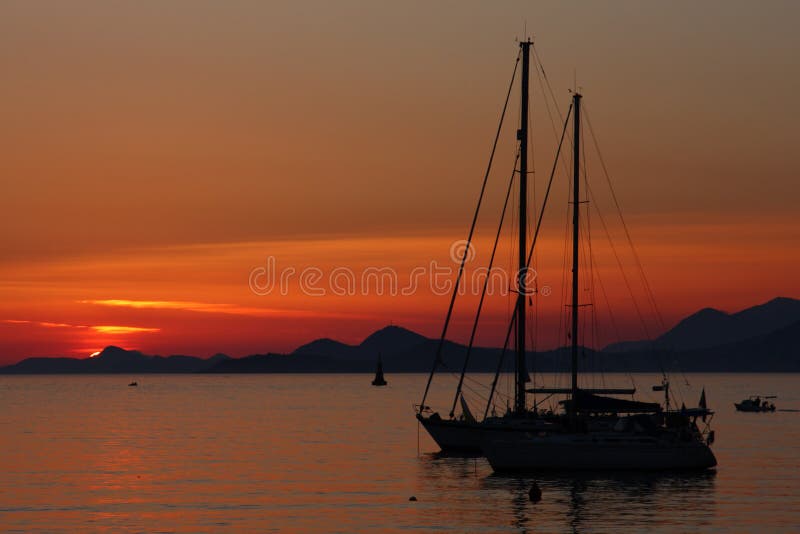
x=115, y=360
x=388, y=340
x=327, y=347
x=761, y=338
x=709, y=327
x=776, y=351
x=401, y=349
x=392, y=339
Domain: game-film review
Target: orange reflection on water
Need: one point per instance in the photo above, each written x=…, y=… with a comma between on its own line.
x=330, y=452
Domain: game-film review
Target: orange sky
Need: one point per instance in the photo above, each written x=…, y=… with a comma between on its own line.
x=152, y=156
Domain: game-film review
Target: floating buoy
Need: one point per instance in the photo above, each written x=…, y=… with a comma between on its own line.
x=535, y=494
x=412, y=498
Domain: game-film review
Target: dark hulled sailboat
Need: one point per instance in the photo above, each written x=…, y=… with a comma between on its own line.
x=464, y=433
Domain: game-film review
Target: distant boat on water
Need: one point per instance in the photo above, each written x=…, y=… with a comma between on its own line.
x=133, y=384
x=755, y=404
x=379, y=380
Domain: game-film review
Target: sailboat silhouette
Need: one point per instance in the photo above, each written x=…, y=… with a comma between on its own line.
x=379, y=380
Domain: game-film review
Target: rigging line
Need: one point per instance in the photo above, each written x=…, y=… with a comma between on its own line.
x=512, y=379
x=500, y=398
x=565, y=252
x=530, y=324
x=611, y=316
x=589, y=278
x=531, y=321
x=485, y=286
x=475, y=393
x=500, y=363
x=546, y=79
x=511, y=298
x=643, y=276
x=540, y=72
x=547, y=191
x=470, y=389
x=552, y=96
x=598, y=358
x=533, y=317
x=562, y=326
x=438, y=359
x=608, y=303
x=584, y=307
x=622, y=270
x=585, y=242
x=651, y=298
x=561, y=332
x=476, y=382
x=533, y=244
x=532, y=152
x=597, y=355
x=639, y=265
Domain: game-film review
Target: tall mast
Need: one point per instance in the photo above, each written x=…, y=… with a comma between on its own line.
x=522, y=135
x=576, y=180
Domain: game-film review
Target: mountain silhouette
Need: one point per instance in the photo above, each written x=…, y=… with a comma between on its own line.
x=328, y=347
x=710, y=327
x=112, y=355
x=115, y=360
x=387, y=341
x=392, y=339
x=762, y=338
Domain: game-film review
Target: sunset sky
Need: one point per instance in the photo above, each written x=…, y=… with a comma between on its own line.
x=154, y=156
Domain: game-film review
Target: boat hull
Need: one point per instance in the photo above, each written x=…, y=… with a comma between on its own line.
x=579, y=452
x=748, y=408
x=453, y=435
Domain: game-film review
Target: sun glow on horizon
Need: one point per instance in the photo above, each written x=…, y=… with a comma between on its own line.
x=113, y=329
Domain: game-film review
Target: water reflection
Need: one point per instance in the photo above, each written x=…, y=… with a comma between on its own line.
x=570, y=502
x=435, y=466
x=307, y=454
x=583, y=500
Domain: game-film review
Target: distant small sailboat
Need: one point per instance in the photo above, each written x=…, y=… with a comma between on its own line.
x=379, y=380
x=755, y=404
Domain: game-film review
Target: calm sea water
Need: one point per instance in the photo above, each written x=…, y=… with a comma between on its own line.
x=299, y=453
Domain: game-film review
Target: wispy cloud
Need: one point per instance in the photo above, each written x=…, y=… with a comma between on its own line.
x=102, y=329
x=160, y=304
x=39, y=323
x=207, y=307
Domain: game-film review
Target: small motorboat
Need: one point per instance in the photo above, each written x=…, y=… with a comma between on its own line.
x=133, y=384
x=754, y=403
